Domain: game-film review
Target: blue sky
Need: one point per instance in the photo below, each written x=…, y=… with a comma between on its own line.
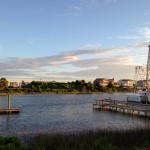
x=67, y=40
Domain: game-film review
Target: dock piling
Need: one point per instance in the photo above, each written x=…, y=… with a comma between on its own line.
x=8, y=101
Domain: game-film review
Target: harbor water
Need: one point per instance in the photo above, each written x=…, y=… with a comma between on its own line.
x=63, y=113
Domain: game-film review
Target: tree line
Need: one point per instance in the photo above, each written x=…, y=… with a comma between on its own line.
x=80, y=86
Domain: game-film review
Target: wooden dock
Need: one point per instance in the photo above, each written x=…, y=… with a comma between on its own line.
x=9, y=110
x=122, y=106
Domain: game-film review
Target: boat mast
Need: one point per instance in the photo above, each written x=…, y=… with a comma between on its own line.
x=148, y=70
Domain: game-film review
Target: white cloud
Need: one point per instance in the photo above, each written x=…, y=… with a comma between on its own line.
x=113, y=60
x=78, y=9
x=136, y=34
x=104, y=62
x=144, y=32
x=73, y=10
x=108, y=70
x=111, y=1
x=101, y=51
x=34, y=40
x=90, y=46
x=70, y=57
x=95, y=2
x=128, y=37
x=146, y=23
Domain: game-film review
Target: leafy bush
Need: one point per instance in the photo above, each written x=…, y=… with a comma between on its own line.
x=9, y=143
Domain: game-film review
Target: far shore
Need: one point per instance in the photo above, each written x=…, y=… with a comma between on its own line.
x=35, y=93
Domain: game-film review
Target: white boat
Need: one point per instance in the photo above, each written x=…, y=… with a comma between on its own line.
x=140, y=97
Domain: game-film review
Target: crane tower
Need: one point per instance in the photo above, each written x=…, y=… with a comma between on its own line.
x=142, y=73
x=148, y=69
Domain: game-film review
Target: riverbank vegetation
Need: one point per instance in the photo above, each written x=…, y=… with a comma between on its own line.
x=58, y=87
x=133, y=139
x=10, y=143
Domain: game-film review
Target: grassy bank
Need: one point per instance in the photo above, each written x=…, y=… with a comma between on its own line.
x=138, y=139
x=134, y=139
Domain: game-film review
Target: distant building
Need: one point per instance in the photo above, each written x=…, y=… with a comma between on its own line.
x=103, y=81
x=126, y=83
x=13, y=84
x=142, y=83
x=23, y=83
x=116, y=84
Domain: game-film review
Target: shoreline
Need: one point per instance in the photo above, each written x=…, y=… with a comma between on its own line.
x=35, y=93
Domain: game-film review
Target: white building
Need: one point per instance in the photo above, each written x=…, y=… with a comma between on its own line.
x=13, y=84
x=103, y=81
x=126, y=83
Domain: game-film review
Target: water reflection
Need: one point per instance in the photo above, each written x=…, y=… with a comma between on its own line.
x=7, y=121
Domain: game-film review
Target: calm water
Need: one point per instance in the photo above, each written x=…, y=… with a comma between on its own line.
x=62, y=113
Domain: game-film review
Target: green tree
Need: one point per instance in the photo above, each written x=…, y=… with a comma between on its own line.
x=110, y=85
x=120, y=88
x=3, y=83
x=90, y=86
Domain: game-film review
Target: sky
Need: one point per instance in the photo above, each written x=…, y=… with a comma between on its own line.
x=68, y=40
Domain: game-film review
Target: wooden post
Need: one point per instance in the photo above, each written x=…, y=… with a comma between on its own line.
x=8, y=101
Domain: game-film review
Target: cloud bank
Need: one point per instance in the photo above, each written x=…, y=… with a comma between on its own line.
x=76, y=64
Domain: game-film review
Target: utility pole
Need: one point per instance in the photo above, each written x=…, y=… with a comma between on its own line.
x=8, y=101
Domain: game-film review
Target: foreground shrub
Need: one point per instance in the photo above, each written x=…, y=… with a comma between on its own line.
x=9, y=143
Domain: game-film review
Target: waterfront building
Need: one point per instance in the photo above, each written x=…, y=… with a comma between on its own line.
x=13, y=84
x=23, y=83
x=127, y=83
x=141, y=84
x=103, y=81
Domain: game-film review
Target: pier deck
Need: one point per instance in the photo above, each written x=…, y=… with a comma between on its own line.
x=9, y=111
x=122, y=106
